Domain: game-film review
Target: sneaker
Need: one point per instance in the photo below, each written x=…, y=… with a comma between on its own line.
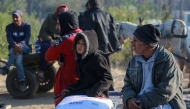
x=2, y=105
x=4, y=70
x=22, y=86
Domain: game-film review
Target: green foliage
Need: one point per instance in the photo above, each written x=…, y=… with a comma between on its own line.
x=44, y=7
x=8, y=6
x=33, y=10
x=123, y=13
x=4, y=20
x=130, y=10
x=121, y=58
x=35, y=26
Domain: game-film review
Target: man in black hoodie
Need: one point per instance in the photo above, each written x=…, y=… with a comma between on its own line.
x=103, y=24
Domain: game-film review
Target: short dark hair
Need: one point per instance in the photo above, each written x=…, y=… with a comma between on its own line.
x=94, y=2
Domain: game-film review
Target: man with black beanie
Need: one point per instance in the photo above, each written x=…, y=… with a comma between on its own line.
x=153, y=79
x=103, y=24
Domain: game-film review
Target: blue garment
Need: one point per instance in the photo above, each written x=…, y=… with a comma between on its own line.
x=37, y=46
x=147, y=66
x=18, y=34
x=44, y=48
x=18, y=58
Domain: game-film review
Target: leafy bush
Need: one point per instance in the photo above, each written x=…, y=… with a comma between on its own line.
x=4, y=20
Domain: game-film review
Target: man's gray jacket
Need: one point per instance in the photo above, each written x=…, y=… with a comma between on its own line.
x=166, y=77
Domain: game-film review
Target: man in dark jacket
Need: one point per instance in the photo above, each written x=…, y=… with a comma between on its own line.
x=18, y=36
x=92, y=68
x=81, y=15
x=47, y=35
x=153, y=79
x=103, y=24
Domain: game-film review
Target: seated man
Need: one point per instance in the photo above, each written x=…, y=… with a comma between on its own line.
x=47, y=35
x=153, y=79
x=18, y=36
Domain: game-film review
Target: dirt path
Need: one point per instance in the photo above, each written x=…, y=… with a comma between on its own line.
x=44, y=100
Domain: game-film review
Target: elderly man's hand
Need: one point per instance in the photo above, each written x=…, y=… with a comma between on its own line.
x=17, y=49
x=65, y=92
x=61, y=64
x=133, y=103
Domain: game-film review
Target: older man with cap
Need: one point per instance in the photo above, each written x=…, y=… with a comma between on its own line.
x=18, y=36
x=153, y=79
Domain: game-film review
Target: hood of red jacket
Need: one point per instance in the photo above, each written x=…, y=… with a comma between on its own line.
x=59, y=7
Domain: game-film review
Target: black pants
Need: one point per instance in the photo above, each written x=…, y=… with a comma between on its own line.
x=107, y=58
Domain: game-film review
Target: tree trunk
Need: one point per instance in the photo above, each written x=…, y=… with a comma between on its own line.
x=181, y=9
x=159, y=2
x=166, y=14
x=39, y=10
x=29, y=6
x=140, y=3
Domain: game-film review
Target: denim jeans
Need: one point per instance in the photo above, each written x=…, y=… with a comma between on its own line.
x=37, y=46
x=44, y=48
x=19, y=59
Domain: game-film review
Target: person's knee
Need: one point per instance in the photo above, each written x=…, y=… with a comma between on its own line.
x=19, y=59
x=45, y=45
x=26, y=49
x=11, y=51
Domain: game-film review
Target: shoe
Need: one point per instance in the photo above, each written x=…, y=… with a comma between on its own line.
x=4, y=70
x=22, y=86
x=2, y=105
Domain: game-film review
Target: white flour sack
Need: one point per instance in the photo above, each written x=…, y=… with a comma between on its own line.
x=84, y=102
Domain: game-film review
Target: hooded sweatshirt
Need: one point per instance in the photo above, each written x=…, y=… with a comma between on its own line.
x=48, y=31
x=58, y=9
x=63, y=46
x=92, y=68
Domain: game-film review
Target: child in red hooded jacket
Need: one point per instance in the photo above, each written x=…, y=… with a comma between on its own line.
x=47, y=35
x=67, y=25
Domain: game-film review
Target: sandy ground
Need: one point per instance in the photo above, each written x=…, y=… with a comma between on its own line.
x=45, y=100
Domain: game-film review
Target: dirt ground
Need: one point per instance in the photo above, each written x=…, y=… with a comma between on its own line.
x=44, y=100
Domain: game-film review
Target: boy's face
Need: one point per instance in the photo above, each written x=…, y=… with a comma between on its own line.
x=81, y=46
